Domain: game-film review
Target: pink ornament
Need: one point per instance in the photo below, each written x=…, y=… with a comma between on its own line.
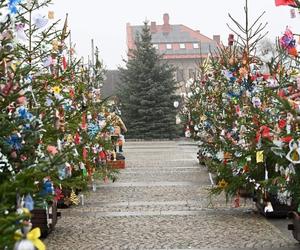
x=23, y=158
x=52, y=150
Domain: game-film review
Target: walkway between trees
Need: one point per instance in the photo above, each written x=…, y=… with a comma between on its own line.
x=160, y=202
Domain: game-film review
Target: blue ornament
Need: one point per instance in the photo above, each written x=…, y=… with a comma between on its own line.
x=28, y=202
x=62, y=172
x=93, y=129
x=24, y=114
x=14, y=141
x=48, y=188
x=12, y=6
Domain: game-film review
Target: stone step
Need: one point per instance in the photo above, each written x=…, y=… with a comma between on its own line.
x=196, y=168
x=135, y=213
x=160, y=176
x=172, y=231
x=152, y=184
x=158, y=207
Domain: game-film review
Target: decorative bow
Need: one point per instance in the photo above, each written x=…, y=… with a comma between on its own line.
x=34, y=236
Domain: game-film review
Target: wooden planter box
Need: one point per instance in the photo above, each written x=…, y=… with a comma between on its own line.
x=295, y=227
x=119, y=164
x=45, y=220
x=243, y=193
x=280, y=210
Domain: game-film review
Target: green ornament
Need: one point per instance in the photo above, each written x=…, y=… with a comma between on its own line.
x=84, y=172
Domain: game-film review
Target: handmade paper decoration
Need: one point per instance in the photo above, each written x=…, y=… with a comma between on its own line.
x=40, y=21
x=288, y=42
x=13, y=6
x=20, y=33
x=259, y=156
x=268, y=208
x=294, y=153
x=58, y=194
x=28, y=202
x=222, y=184
x=52, y=150
x=50, y=14
x=285, y=2
x=15, y=141
x=74, y=198
x=230, y=39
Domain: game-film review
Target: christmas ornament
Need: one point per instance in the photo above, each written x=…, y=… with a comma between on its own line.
x=28, y=202
x=222, y=184
x=40, y=21
x=50, y=14
x=24, y=245
x=58, y=194
x=285, y=2
x=268, y=208
x=294, y=153
x=52, y=150
x=12, y=6
x=259, y=156
x=15, y=141
x=74, y=199
x=20, y=33
x=47, y=187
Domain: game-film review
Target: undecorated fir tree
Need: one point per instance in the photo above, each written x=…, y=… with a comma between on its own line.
x=147, y=92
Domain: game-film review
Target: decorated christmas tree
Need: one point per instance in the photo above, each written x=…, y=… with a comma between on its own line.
x=55, y=130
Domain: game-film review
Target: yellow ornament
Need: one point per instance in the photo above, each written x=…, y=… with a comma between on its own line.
x=55, y=45
x=259, y=156
x=56, y=89
x=222, y=184
x=50, y=14
x=74, y=198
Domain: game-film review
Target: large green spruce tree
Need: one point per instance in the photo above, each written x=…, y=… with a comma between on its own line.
x=147, y=92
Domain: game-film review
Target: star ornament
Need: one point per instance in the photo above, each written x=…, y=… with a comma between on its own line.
x=222, y=184
x=56, y=89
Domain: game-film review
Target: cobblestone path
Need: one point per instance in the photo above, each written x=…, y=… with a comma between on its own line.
x=160, y=202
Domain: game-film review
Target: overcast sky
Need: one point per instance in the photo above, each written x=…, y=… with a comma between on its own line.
x=105, y=21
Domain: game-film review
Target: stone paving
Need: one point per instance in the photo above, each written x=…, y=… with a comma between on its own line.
x=161, y=202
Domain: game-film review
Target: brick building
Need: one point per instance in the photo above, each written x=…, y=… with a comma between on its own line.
x=180, y=45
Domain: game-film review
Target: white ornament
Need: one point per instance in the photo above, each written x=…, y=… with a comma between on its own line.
x=176, y=104
x=269, y=208
x=24, y=245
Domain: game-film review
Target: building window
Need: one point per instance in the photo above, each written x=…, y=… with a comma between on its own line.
x=182, y=45
x=196, y=45
x=169, y=46
x=155, y=46
x=180, y=75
